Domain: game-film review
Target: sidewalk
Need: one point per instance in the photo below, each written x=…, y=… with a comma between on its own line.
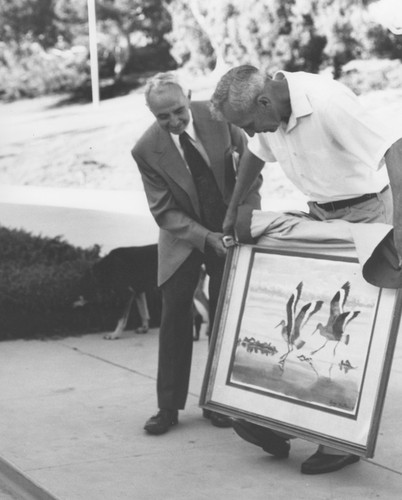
x=72, y=415
x=72, y=410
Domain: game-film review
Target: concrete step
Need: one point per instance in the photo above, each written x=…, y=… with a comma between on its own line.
x=16, y=485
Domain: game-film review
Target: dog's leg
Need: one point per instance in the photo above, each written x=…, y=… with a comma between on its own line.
x=141, y=301
x=197, y=322
x=201, y=305
x=200, y=314
x=121, y=325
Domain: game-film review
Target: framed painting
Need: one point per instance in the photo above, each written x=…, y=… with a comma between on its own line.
x=302, y=344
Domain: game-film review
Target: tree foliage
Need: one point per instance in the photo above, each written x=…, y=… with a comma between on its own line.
x=122, y=20
x=130, y=16
x=288, y=34
x=48, y=20
x=274, y=33
x=137, y=35
x=43, y=20
x=43, y=43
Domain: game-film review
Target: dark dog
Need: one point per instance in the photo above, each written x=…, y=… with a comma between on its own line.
x=131, y=273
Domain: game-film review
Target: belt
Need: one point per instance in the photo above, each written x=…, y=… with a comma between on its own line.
x=336, y=205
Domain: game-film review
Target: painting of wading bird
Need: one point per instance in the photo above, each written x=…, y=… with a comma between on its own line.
x=332, y=399
x=334, y=330
x=291, y=328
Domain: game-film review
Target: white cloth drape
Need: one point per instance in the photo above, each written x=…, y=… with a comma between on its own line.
x=372, y=243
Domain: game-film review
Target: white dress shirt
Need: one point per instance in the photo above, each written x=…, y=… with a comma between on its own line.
x=332, y=147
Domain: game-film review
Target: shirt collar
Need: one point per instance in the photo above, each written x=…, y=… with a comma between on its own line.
x=190, y=128
x=299, y=101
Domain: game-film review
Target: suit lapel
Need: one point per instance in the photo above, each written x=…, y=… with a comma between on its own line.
x=208, y=133
x=172, y=163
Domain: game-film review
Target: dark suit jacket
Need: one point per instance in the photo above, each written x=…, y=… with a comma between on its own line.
x=171, y=192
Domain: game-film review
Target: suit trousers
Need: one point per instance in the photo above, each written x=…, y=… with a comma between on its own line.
x=176, y=329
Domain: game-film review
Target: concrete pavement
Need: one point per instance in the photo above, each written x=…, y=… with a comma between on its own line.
x=72, y=415
x=72, y=410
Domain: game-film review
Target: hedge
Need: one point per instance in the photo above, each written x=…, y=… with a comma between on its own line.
x=40, y=278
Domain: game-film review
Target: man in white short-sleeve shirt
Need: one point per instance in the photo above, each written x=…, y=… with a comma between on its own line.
x=334, y=151
x=330, y=148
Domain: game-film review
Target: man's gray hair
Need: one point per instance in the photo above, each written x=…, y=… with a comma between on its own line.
x=160, y=81
x=238, y=87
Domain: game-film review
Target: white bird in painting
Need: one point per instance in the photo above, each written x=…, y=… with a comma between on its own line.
x=288, y=325
x=334, y=329
x=291, y=328
x=336, y=332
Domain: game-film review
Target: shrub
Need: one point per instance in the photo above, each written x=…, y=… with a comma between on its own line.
x=27, y=70
x=363, y=76
x=40, y=278
x=21, y=247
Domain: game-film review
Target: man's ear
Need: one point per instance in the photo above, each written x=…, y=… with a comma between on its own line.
x=189, y=95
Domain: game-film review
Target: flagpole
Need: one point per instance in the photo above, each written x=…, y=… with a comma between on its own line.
x=93, y=52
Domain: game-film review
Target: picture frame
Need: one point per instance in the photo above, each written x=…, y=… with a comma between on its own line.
x=302, y=344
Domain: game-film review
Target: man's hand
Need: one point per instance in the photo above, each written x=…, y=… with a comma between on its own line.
x=214, y=241
x=229, y=222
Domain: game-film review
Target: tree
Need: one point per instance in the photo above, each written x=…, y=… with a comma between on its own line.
x=190, y=44
x=289, y=34
x=228, y=32
x=121, y=19
x=148, y=16
x=43, y=20
x=340, y=22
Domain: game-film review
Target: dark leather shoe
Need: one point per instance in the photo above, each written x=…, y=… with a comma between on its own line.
x=320, y=463
x=263, y=437
x=161, y=422
x=217, y=419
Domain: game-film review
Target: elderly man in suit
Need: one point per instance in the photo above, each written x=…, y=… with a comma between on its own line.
x=186, y=160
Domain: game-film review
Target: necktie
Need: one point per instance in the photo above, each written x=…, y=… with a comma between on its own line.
x=212, y=206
